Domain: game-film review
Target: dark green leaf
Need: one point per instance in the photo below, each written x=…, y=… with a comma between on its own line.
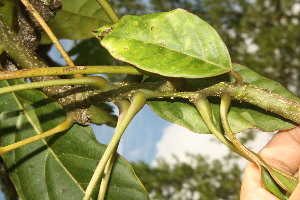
x=241, y=116
x=77, y=20
x=59, y=167
x=176, y=44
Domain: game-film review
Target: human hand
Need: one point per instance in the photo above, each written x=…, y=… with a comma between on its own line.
x=282, y=152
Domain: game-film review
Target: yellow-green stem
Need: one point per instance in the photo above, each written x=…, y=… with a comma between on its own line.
x=95, y=81
x=205, y=111
x=109, y=10
x=107, y=174
x=224, y=106
x=65, y=125
x=28, y=73
x=225, y=102
x=123, y=108
x=137, y=104
x=238, y=78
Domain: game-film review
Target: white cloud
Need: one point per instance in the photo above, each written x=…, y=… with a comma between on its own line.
x=177, y=140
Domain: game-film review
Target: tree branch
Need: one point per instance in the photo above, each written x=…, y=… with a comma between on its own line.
x=26, y=59
x=49, y=32
x=252, y=94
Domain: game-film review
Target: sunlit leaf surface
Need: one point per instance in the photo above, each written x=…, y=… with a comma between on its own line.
x=176, y=44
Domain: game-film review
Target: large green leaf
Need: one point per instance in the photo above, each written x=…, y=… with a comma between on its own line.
x=59, y=167
x=77, y=19
x=241, y=116
x=176, y=44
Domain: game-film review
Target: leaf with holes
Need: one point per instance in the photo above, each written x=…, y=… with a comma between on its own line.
x=174, y=44
x=61, y=166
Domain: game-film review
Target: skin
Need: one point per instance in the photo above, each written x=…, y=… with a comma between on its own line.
x=282, y=152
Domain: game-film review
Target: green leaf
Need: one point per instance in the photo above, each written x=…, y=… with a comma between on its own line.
x=77, y=20
x=175, y=44
x=287, y=183
x=241, y=115
x=270, y=185
x=61, y=166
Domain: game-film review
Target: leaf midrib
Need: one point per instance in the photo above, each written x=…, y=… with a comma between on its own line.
x=170, y=49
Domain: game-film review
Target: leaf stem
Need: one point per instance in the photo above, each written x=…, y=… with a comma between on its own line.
x=51, y=35
x=27, y=73
x=224, y=106
x=95, y=81
x=137, y=104
x=107, y=174
x=205, y=111
x=238, y=78
x=123, y=108
x=65, y=125
x=109, y=10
